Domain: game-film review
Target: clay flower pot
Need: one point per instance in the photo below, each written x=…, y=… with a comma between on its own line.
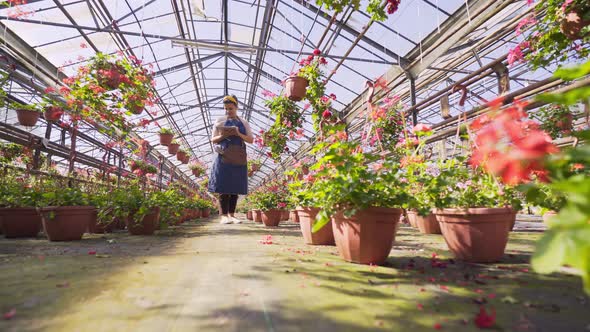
x=205, y=213
x=324, y=236
x=284, y=215
x=147, y=226
x=571, y=26
x=271, y=218
x=295, y=87
x=410, y=220
x=476, y=234
x=166, y=139
x=197, y=172
x=426, y=224
x=548, y=215
x=257, y=214
x=67, y=223
x=367, y=236
x=181, y=155
x=249, y=215
x=53, y=113
x=293, y=216
x=27, y=117
x=173, y=148
x=565, y=124
x=137, y=109
x=20, y=222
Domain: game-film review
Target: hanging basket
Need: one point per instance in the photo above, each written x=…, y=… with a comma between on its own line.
x=572, y=24
x=27, y=117
x=197, y=172
x=181, y=155
x=295, y=87
x=166, y=139
x=173, y=148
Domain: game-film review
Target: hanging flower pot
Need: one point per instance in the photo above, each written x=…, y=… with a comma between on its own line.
x=572, y=24
x=426, y=224
x=173, y=148
x=136, y=109
x=181, y=155
x=476, y=234
x=565, y=123
x=271, y=218
x=295, y=87
x=66, y=223
x=257, y=216
x=27, y=117
x=166, y=138
x=20, y=222
x=197, y=172
x=146, y=226
x=367, y=236
x=53, y=113
x=306, y=216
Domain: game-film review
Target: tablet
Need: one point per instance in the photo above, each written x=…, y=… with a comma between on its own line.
x=226, y=130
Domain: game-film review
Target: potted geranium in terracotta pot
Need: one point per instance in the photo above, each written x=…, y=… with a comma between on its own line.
x=67, y=214
x=18, y=208
x=173, y=147
x=27, y=115
x=166, y=136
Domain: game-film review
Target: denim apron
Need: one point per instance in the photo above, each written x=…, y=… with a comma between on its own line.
x=227, y=178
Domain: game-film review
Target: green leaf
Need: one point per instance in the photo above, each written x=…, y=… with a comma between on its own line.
x=321, y=220
x=550, y=252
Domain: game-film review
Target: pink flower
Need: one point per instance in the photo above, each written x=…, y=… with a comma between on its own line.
x=268, y=94
x=49, y=89
x=317, y=52
x=327, y=114
x=333, y=96
x=525, y=23
x=421, y=128
x=83, y=45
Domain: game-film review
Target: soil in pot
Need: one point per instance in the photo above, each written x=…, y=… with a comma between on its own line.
x=476, y=235
x=27, y=117
x=257, y=214
x=271, y=218
x=147, y=226
x=166, y=139
x=20, y=222
x=66, y=223
x=367, y=236
x=324, y=236
x=426, y=224
x=295, y=88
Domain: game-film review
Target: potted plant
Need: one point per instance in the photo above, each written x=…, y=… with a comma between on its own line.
x=197, y=168
x=19, y=201
x=363, y=203
x=143, y=210
x=105, y=220
x=268, y=200
x=182, y=155
x=556, y=120
x=27, y=115
x=288, y=118
x=67, y=213
x=166, y=136
x=375, y=8
x=474, y=205
x=173, y=147
x=295, y=87
x=253, y=166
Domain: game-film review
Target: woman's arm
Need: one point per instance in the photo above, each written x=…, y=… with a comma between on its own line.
x=249, y=137
x=217, y=139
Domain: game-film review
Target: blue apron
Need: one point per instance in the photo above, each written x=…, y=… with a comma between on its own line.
x=227, y=178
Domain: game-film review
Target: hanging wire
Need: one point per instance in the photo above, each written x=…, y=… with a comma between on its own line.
x=437, y=17
x=468, y=13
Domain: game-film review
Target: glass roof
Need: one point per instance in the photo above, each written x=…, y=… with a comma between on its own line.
x=190, y=80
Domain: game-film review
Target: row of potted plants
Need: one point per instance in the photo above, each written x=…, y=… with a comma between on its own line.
x=28, y=203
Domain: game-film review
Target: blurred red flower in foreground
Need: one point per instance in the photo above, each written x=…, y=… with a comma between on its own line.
x=509, y=145
x=483, y=320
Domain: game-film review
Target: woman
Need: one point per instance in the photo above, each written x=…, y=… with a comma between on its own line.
x=229, y=174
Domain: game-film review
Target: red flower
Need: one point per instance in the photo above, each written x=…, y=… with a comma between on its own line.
x=333, y=96
x=327, y=114
x=49, y=89
x=437, y=326
x=317, y=52
x=421, y=128
x=483, y=320
x=323, y=61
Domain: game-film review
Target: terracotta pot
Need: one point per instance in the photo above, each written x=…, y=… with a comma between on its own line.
x=120, y=223
x=27, y=117
x=284, y=215
x=548, y=215
x=173, y=148
x=249, y=215
x=147, y=226
x=367, y=236
x=573, y=23
x=186, y=159
x=20, y=222
x=257, y=216
x=255, y=167
x=293, y=216
x=197, y=213
x=565, y=125
x=180, y=155
x=427, y=224
x=197, y=172
x=205, y=213
x=137, y=109
x=250, y=173
x=67, y=223
x=295, y=87
x=410, y=219
x=166, y=139
x=306, y=216
x=476, y=234
x=96, y=228
x=53, y=113
x=305, y=170
x=271, y=218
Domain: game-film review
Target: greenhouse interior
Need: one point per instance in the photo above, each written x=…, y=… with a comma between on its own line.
x=206, y=165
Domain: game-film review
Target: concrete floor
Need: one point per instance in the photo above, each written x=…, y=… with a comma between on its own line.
x=202, y=276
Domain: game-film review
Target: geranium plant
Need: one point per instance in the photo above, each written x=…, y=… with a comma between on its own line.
x=375, y=8
x=197, y=168
x=556, y=120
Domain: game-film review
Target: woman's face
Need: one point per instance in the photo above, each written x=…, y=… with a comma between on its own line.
x=230, y=109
